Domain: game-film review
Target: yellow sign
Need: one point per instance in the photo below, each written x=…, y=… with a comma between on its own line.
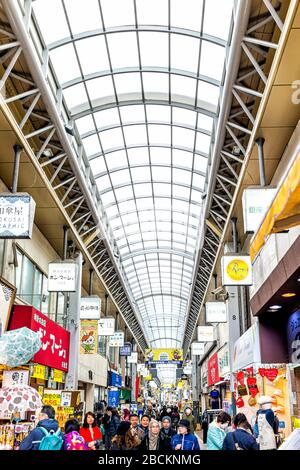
x=88, y=336
x=237, y=270
x=148, y=377
x=41, y=390
x=164, y=356
x=52, y=397
x=39, y=372
x=57, y=375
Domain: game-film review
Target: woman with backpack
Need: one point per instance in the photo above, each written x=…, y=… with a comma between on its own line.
x=72, y=439
x=91, y=432
x=242, y=437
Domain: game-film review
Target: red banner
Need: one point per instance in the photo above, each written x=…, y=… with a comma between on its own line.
x=213, y=370
x=55, y=339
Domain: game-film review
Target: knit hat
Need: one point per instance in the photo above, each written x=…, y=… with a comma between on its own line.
x=166, y=418
x=185, y=423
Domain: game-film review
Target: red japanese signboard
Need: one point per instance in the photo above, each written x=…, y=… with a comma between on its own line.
x=55, y=339
x=213, y=370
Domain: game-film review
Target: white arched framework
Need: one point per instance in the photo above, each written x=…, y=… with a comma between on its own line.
x=143, y=93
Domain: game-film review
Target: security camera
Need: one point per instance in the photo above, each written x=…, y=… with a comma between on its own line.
x=218, y=290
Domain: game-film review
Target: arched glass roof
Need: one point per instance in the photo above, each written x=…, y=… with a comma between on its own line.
x=142, y=80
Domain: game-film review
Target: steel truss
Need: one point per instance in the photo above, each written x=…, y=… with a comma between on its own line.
x=247, y=93
x=53, y=154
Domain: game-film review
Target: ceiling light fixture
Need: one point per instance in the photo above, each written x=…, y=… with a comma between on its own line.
x=288, y=294
x=275, y=307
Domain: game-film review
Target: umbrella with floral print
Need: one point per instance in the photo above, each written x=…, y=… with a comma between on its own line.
x=18, y=399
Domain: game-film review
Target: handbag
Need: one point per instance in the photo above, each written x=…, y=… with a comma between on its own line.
x=236, y=444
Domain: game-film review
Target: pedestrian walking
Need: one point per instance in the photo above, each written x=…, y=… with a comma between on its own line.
x=125, y=414
x=216, y=431
x=72, y=439
x=175, y=417
x=91, y=432
x=185, y=440
x=242, y=437
x=166, y=434
x=190, y=418
x=152, y=438
x=145, y=420
x=111, y=423
x=47, y=426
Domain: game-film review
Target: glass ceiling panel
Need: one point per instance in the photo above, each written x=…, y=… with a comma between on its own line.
x=148, y=101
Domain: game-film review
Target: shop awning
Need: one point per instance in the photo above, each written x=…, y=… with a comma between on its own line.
x=284, y=212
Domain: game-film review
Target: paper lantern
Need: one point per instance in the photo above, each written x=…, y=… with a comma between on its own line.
x=17, y=347
x=271, y=374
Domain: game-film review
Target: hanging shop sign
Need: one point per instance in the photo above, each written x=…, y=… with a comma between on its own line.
x=293, y=337
x=57, y=376
x=7, y=296
x=256, y=202
x=90, y=308
x=247, y=349
x=62, y=277
x=52, y=397
x=88, y=336
x=197, y=348
x=223, y=361
x=106, y=326
x=116, y=340
x=39, y=372
x=205, y=334
x=213, y=370
x=54, y=352
x=164, y=356
x=126, y=349
x=114, y=379
x=133, y=358
x=16, y=215
x=113, y=398
x=236, y=270
x=15, y=377
x=216, y=312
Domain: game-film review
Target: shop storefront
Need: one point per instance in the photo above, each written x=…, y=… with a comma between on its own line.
x=255, y=377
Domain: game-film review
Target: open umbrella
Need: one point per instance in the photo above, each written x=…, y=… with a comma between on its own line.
x=18, y=398
x=17, y=347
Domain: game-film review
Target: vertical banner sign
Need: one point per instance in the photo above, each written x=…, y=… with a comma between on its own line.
x=213, y=370
x=90, y=308
x=106, y=326
x=116, y=340
x=205, y=334
x=7, y=296
x=62, y=277
x=16, y=215
x=113, y=398
x=88, y=336
x=236, y=270
x=256, y=202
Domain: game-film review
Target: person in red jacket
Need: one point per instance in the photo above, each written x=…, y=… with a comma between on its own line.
x=90, y=431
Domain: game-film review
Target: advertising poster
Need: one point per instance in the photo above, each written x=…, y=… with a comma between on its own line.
x=62, y=277
x=88, y=336
x=164, y=356
x=113, y=398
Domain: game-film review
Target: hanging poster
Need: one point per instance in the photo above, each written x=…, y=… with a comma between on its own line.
x=90, y=308
x=113, y=398
x=62, y=277
x=126, y=349
x=133, y=358
x=256, y=202
x=216, y=312
x=213, y=370
x=236, y=270
x=7, y=296
x=106, y=326
x=116, y=340
x=16, y=215
x=88, y=336
x=164, y=356
x=205, y=334
x=15, y=377
x=197, y=348
x=65, y=399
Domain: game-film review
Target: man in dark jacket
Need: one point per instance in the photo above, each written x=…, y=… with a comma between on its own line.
x=166, y=435
x=111, y=423
x=46, y=420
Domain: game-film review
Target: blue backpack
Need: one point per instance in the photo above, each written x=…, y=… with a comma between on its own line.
x=52, y=440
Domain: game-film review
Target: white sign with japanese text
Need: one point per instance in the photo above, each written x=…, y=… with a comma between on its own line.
x=133, y=358
x=117, y=340
x=90, y=308
x=256, y=202
x=16, y=215
x=62, y=277
x=106, y=326
x=15, y=377
x=197, y=349
x=205, y=334
x=216, y=312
